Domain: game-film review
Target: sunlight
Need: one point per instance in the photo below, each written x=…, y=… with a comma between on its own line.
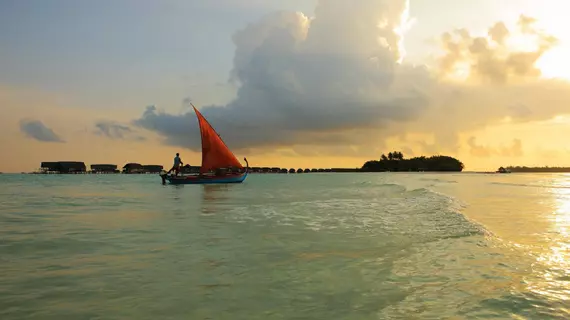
x=522, y=42
x=556, y=258
x=561, y=218
x=555, y=63
x=461, y=72
x=406, y=22
x=552, y=17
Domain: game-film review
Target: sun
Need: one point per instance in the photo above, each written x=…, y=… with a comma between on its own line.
x=555, y=63
x=552, y=17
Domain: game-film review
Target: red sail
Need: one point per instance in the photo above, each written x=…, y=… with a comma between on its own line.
x=215, y=153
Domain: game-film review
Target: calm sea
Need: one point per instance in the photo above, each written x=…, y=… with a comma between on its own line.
x=298, y=246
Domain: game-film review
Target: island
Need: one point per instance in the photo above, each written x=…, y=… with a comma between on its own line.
x=395, y=161
x=538, y=169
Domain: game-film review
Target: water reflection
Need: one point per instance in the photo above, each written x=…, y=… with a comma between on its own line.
x=213, y=195
x=530, y=216
x=553, y=276
x=178, y=188
x=215, y=192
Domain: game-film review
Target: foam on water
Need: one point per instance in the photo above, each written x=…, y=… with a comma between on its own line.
x=318, y=246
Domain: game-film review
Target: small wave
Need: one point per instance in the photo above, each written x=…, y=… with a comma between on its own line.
x=530, y=185
x=529, y=304
x=420, y=191
x=454, y=207
x=437, y=180
x=381, y=209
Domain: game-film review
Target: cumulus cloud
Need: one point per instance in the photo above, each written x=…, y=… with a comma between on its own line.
x=114, y=130
x=489, y=59
x=334, y=83
x=35, y=129
x=304, y=81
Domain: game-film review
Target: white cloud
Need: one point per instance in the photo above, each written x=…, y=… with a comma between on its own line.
x=333, y=82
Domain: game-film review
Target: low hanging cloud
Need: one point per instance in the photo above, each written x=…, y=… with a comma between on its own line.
x=335, y=82
x=114, y=130
x=35, y=129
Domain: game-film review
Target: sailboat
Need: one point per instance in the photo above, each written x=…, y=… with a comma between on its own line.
x=219, y=164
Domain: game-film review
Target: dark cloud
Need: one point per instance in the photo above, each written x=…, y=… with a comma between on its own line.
x=113, y=130
x=35, y=129
x=335, y=83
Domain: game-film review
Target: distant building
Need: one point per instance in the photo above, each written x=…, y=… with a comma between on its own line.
x=104, y=168
x=345, y=170
x=131, y=168
x=187, y=169
x=49, y=167
x=63, y=167
x=152, y=168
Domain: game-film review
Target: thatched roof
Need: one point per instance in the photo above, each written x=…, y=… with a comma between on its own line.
x=152, y=167
x=103, y=167
x=64, y=166
x=133, y=165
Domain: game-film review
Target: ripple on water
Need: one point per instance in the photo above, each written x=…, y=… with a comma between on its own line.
x=277, y=247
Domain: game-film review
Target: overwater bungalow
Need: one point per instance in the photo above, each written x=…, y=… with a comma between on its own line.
x=67, y=167
x=152, y=168
x=104, y=168
x=132, y=168
x=345, y=170
x=188, y=169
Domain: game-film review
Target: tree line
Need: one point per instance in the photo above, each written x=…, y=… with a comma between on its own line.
x=395, y=161
x=538, y=169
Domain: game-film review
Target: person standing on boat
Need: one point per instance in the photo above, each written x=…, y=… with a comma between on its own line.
x=177, y=163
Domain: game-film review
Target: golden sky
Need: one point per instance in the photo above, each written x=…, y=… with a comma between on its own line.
x=307, y=84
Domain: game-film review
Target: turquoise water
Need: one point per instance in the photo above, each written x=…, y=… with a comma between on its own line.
x=307, y=246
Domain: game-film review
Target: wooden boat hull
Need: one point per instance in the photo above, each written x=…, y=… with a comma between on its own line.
x=203, y=179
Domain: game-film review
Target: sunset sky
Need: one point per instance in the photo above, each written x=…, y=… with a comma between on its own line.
x=297, y=83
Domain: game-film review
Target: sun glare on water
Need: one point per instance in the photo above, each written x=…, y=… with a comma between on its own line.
x=555, y=258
